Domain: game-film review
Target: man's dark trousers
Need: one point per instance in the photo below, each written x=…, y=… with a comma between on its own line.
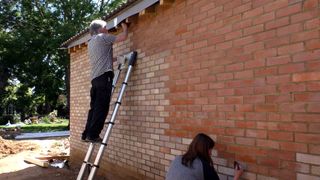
x=100, y=93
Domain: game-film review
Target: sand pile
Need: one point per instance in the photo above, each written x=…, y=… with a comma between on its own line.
x=8, y=147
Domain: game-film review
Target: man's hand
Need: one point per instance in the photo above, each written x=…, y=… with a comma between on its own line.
x=122, y=36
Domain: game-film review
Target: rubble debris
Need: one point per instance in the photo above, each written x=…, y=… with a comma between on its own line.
x=8, y=147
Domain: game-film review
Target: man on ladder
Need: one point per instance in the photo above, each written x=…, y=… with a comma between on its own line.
x=101, y=59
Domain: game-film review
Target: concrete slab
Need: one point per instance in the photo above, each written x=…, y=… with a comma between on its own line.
x=42, y=135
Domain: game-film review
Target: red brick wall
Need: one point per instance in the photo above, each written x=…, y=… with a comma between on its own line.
x=244, y=72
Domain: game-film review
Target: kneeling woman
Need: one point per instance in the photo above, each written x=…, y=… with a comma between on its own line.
x=196, y=163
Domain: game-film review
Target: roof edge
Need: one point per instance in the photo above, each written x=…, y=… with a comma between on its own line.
x=113, y=19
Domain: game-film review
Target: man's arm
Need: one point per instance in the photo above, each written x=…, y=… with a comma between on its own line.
x=122, y=36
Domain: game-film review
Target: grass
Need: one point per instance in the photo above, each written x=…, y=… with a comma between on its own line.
x=61, y=125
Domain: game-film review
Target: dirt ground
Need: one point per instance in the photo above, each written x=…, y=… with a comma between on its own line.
x=13, y=166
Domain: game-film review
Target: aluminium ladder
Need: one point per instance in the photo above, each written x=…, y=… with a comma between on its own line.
x=131, y=58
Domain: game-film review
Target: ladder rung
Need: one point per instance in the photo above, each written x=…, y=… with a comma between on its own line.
x=110, y=123
x=125, y=83
x=91, y=164
x=117, y=102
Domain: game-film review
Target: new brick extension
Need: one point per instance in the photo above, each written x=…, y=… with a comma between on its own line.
x=246, y=72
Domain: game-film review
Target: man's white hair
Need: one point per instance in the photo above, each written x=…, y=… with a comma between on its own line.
x=95, y=25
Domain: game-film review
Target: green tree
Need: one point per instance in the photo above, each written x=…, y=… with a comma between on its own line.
x=30, y=36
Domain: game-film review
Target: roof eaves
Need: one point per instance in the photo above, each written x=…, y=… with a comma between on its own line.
x=108, y=16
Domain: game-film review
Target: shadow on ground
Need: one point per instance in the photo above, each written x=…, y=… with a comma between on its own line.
x=39, y=173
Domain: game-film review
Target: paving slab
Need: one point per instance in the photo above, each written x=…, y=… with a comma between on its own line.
x=42, y=135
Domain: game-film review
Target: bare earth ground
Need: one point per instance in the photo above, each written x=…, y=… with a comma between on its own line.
x=13, y=166
x=13, y=152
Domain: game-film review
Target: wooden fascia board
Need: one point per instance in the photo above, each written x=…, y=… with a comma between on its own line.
x=113, y=22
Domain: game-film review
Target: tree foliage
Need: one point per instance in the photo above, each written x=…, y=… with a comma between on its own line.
x=31, y=32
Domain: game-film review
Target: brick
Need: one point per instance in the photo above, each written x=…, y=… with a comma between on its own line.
x=294, y=127
x=277, y=42
x=244, y=107
x=245, y=141
x=280, y=79
x=242, y=24
x=289, y=10
x=258, y=3
x=305, y=176
x=234, y=100
x=312, y=24
x=253, y=13
x=293, y=28
x=306, y=56
x=243, y=74
x=264, y=36
x=264, y=18
x=307, y=97
x=307, y=158
x=292, y=146
x=242, y=8
x=285, y=88
x=282, y=136
x=267, y=125
x=265, y=53
x=278, y=60
x=253, y=47
x=315, y=170
x=306, y=118
x=235, y=132
x=275, y=5
x=234, y=67
x=256, y=116
x=253, y=29
x=309, y=76
x=275, y=163
x=298, y=167
x=277, y=23
x=310, y=4
x=307, y=138
x=278, y=98
x=265, y=90
x=245, y=124
x=224, y=45
x=314, y=128
x=313, y=66
x=268, y=144
x=266, y=71
x=224, y=76
x=255, y=63
x=291, y=49
x=233, y=35
x=291, y=68
x=283, y=155
x=313, y=107
x=292, y=107
x=313, y=44
x=313, y=86
x=243, y=41
x=303, y=16
x=314, y=149
x=305, y=35
x=254, y=99
x=256, y=133
x=243, y=91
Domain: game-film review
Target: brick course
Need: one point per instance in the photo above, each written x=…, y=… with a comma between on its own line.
x=244, y=72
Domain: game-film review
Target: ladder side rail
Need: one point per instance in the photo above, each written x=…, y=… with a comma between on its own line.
x=108, y=132
x=91, y=146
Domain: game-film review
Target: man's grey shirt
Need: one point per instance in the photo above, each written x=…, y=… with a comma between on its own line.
x=101, y=54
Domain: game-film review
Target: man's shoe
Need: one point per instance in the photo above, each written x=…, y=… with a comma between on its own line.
x=94, y=140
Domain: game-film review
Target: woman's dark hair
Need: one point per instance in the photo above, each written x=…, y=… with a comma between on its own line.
x=199, y=147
